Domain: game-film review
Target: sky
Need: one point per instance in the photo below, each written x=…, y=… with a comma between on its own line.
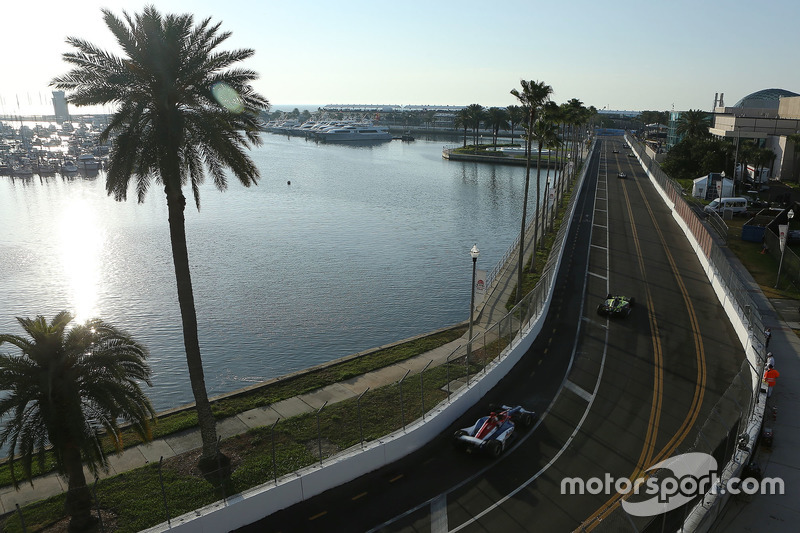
x=621, y=55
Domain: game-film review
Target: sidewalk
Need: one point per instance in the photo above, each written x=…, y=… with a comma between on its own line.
x=764, y=512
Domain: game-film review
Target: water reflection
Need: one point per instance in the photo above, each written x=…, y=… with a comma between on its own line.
x=81, y=244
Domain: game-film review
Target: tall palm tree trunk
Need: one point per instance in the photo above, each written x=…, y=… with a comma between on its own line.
x=176, y=203
x=524, y=215
x=79, y=499
x=536, y=217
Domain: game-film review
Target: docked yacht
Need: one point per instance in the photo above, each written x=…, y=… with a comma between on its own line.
x=88, y=162
x=69, y=167
x=355, y=132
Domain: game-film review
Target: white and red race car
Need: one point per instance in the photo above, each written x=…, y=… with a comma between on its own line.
x=493, y=432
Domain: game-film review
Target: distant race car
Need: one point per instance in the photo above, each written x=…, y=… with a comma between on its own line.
x=630, y=154
x=614, y=151
x=616, y=306
x=493, y=432
x=622, y=175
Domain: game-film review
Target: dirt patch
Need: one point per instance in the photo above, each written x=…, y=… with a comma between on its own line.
x=328, y=448
x=185, y=464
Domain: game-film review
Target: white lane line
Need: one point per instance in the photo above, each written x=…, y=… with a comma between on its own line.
x=598, y=275
x=439, y=514
x=583, y=393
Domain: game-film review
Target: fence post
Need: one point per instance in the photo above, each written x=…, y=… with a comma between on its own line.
x=319, y=433
x=360, y=427
x=274, y=462
x=402, y=407
x=163, y=492
x=21, y=519
x=422, y=388
x=97, y=503
x=222, y=477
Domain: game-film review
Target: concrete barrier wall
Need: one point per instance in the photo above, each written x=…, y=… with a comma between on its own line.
x=258, y=502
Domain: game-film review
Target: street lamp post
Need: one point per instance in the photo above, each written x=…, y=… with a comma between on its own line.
x=789, y=217
x=474, y=252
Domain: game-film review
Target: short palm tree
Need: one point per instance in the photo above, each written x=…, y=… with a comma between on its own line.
x=463, y=120
x=181, y=110
x=476, y=116
x=496, y=118
x=62, y=389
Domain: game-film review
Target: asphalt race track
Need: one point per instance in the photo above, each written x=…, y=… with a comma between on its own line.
x=618, y=394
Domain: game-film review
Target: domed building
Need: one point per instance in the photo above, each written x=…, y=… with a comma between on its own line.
x=766, y=117
x=764, y=99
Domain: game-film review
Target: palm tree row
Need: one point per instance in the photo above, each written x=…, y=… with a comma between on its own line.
x=542, y=119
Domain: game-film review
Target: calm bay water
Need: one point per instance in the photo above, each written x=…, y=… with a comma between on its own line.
x=366, y=246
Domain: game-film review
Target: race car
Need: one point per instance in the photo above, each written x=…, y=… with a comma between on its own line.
x=622, y=175
x=615, y=306
x=492, y=433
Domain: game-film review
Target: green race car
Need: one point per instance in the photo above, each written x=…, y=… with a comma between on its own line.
x=616, y=306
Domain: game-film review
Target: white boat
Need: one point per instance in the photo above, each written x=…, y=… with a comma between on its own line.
x=356, y=132
x=88, y=162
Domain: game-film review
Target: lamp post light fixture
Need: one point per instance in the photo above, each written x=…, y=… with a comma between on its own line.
x=474, y=253
x=789, y=217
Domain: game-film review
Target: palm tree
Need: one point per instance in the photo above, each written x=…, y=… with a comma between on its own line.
x=463, y=119
x=181, y=110
x=694, y=123
x=515, y=116
x=544, y=131
x=496, y=118
x=533, y=96
x=62, y=388
x=476, y=116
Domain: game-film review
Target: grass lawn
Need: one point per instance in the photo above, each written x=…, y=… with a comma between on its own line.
x=763, y=267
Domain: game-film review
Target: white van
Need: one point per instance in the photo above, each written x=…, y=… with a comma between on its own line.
x=735, y=206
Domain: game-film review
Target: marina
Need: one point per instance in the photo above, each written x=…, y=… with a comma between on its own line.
x=45, y=149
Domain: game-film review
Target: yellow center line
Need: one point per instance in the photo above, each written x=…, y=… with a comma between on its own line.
x=358, y=496
x=700, y=379
x=318, y=515
x=658, y=378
